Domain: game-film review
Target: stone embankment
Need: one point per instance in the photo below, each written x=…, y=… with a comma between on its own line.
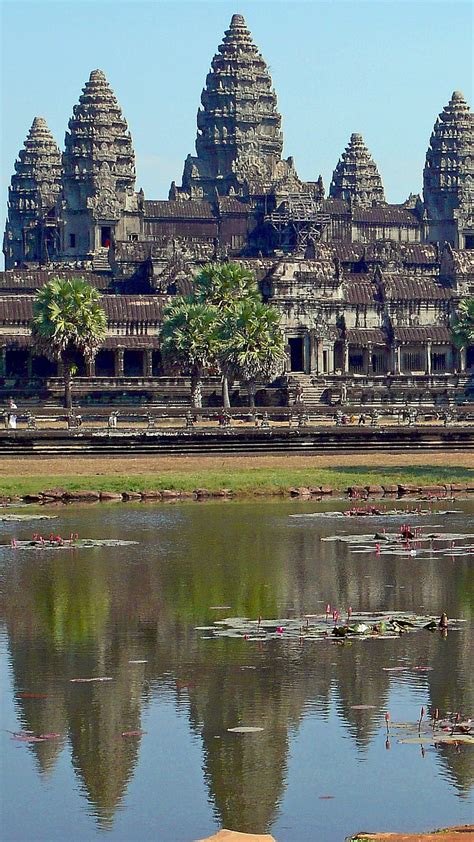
x=354, y=492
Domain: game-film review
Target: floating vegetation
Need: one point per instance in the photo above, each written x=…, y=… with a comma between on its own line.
x=20, y=518
x=408, y=541
x=57, y=543
x=448, y=731
x=245, y=729
x=378, y=512
x=378, y=625
x=30, y=737
x=136, y=733
x=88, y=680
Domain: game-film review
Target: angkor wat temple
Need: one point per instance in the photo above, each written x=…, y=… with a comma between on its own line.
x=367, y=290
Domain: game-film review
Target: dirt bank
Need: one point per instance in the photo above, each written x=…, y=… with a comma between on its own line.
x=30, y=466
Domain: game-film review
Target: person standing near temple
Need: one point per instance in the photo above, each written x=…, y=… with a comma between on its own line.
x=12, y=416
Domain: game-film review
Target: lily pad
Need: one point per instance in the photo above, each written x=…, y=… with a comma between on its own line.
x=88, y=680
x=245, y=729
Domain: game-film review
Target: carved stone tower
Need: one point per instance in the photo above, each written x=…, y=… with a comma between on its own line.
x=98, y=203
x=31, y=232
x=448, y=177
x=356, y=177
x=239, y=142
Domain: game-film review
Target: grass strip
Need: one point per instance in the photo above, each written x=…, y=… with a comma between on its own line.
x=244, y=481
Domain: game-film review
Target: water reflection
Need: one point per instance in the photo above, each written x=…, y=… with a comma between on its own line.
x=90, y=613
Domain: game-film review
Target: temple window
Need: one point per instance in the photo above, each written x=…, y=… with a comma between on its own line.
x=72, y=241
x=469, y=241
x=413, y=360
x=356, y=362
x=438, y=362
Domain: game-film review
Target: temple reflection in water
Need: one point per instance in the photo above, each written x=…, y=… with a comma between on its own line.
x=94, y=614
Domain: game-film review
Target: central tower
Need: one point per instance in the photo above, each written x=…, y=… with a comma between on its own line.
x=239, y=141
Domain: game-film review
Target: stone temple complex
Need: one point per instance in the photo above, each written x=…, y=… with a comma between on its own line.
x=367, y=290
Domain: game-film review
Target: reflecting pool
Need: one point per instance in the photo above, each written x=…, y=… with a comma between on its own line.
x=322, y=766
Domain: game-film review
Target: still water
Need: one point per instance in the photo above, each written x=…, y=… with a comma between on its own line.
x=319, y=770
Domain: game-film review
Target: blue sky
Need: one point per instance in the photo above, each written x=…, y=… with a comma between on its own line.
x=384, y=68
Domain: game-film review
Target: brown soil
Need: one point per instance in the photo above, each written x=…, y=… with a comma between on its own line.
x=450, y=834
x=26, y=466
x=234, y=836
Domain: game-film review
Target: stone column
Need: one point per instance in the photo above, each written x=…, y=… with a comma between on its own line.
x=319, y=356
x=450, y=359
x=119, y=362
x=368, y=367
x=90, y=367
x=148, y=363
x=428, y=357
x=313, y=353
x=463, y=360
x=396, y=359
x=345, y=361
x=3, y=361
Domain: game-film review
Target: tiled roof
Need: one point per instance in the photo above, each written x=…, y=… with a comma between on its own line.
x=128, y=342
x=29, y=279
x=464, y=262
x=190, y=209
x=385, y=215
x=365, y=336
x=133, y=308
x=230, y=205
x=15, y=342
x=437, y=333
x=355, y=292
x=16, y=308
x=348, y=252
x=118, y=308
x=334, y=206
x=402, y=287
x=132, y=342
x=419, y=253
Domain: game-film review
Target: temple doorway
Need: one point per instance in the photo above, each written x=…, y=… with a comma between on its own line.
x=41, y=366
x=105, y=236
x=105, y=363
x=16, y=363
x=133, y=363
x=296, y=353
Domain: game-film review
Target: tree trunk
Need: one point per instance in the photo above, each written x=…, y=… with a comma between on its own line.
x=196, y=391
x=67, y=386
x=251, y=389
x=225, y=392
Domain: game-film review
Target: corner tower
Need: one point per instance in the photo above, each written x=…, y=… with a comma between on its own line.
x=356, y=178
x=99, y=202
x=448, y=177
x=31, y=232
x=239, y=141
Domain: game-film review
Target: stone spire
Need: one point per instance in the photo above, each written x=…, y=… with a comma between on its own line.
x=34, y=189
x=356, y=177
x=99, y=166
x=238, y=141
x=448, y=177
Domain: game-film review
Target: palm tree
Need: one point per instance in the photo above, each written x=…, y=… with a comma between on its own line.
x=252, y=345
x=226, y=286
x=189, y=340
x=68, y=319
x=463, y=327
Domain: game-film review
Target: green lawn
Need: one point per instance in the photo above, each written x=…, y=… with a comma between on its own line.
x=241, y=481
